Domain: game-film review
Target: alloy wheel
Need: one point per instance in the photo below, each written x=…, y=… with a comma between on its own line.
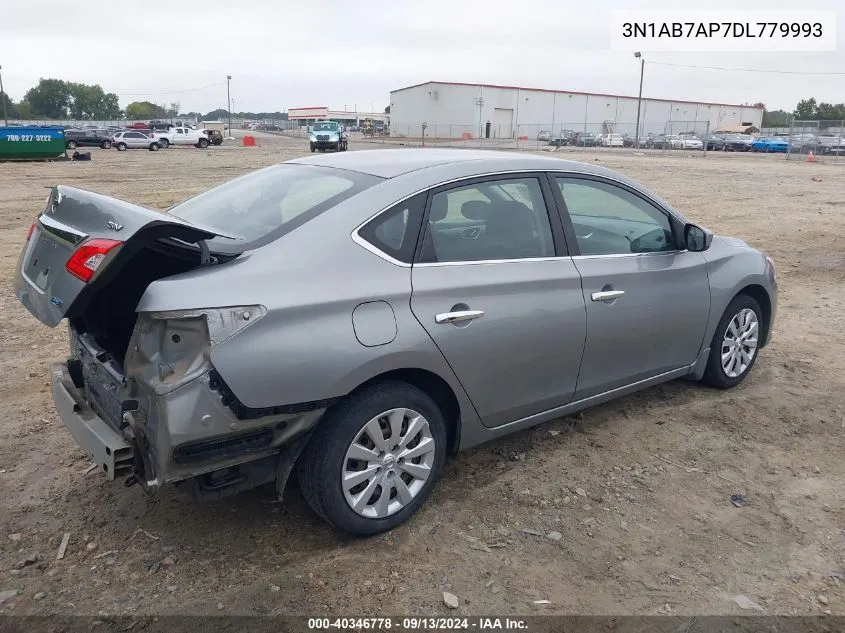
x=739, y=343
x=388, y=463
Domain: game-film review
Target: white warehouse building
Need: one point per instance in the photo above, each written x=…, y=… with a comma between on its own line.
x=462, y=110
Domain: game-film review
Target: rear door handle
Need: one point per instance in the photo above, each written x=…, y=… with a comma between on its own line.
x=460, y=315
x=607, y=295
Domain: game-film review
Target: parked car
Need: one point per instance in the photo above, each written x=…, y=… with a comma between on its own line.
x=544, y=135
x=215, y=137
x=584, y=139
x=665, y=141
x=183, y=136
x=160, y=126
x=187, y=366
x=132, y=139
x=611, y=140
x=87, y=138
x=824, y=144
x=563, y=137
x=770, y=144
x=715, y=143
x=738, y=142
x=691, y=142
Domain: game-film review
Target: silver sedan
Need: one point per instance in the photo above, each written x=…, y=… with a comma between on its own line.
x=356, y=317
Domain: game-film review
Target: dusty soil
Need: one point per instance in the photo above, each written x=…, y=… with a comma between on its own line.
x=637, y=491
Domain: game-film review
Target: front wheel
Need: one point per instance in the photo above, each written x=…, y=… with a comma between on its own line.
x=153, y=147
x=733, y=349
x=71, y=144
x=121, y=147
x=312, y=148
x=164, y=143
x=374, y=459
x=106, y=145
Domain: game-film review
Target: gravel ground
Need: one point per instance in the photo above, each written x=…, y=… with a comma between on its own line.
x=623, y=509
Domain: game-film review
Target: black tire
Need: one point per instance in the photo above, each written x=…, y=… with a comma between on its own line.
x=71, y=144
x=202, y=143
x=164, y=143
x=312, y=148
x=154, y=147
x=320, y=466
x=715, y=375
x=106, y=144
x=121, y=147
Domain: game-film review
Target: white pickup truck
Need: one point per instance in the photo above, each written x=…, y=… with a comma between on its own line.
x=183, y=136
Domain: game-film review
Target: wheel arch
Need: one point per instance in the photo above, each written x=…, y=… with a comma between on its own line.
x=435, y=387
x=761, y=296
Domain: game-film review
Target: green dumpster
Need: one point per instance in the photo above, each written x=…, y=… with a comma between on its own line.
x=31, y=143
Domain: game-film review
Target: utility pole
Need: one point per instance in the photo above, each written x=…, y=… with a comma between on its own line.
x=639, y=56
x=229, y=103
x=3, y=97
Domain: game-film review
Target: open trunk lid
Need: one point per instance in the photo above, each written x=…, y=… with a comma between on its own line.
x=80, y=241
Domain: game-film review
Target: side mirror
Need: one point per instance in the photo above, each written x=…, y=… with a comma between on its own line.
x=696, y=238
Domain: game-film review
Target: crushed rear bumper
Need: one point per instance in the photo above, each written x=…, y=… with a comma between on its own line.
x=106, y=447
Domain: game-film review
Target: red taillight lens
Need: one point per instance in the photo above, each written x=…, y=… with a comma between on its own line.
x=31, y=230
x=88, y=257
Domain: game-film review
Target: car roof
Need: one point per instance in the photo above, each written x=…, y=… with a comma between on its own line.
x=389, y=163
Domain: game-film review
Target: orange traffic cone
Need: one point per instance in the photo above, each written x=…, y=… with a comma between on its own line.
x=810, y=157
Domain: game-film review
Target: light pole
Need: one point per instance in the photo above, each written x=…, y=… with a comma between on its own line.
x=229, y=103
x=639, y=56
x=3, y=98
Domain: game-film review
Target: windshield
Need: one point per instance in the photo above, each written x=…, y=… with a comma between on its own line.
x=263, y=205
x=325, y=126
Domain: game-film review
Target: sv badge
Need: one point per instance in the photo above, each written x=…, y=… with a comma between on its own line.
x=114, y=226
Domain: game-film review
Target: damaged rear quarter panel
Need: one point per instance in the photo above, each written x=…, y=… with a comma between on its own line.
x=310, y=280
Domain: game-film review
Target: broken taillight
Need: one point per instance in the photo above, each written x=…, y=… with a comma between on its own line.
x=88, y=257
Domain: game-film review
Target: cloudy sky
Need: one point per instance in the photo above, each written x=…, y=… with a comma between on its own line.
x=339, y=53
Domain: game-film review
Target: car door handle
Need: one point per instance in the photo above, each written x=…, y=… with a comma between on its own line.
x=606, y=295
x=460, y=315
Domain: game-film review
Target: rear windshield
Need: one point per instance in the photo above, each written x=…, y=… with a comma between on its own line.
x=263, y=205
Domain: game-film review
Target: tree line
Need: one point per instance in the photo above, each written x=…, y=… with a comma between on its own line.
x=806, y=110
x=57, y=99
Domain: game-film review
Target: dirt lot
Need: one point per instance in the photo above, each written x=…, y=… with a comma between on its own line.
x=637, y=491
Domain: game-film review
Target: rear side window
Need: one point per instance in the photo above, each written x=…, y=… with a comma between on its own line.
x=395, y=231
x=266, y=204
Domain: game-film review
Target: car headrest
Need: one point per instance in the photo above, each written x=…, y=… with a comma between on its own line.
x=510, y=219
x=476, y=210
x=439, y=208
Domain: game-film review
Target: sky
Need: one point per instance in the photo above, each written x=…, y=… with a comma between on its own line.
x=344, y=55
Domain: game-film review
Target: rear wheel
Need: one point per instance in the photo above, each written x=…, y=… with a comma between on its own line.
x=733, y=350
x=121, y=147
x=312, y=148
x=374, y=459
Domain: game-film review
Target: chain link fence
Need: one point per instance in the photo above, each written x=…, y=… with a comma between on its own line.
x=811, y=139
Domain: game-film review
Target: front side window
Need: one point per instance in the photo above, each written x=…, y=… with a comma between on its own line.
x=272, y=201
x=609, y=220
x=492, y=220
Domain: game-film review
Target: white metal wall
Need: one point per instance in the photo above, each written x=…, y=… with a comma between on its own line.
x=451, y=111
